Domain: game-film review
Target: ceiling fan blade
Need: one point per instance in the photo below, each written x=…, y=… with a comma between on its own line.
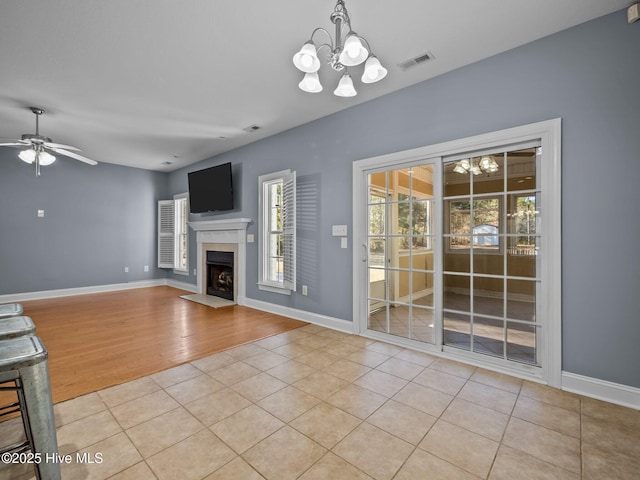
x=73, y=155
x=14, y=144
x=61, y=145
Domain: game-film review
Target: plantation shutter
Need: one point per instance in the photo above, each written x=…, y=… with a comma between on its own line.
x=289, y=230
x=166, y=234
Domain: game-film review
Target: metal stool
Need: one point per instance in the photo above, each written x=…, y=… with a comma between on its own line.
x=23, y=362
x=10, y=310
x=13, y=327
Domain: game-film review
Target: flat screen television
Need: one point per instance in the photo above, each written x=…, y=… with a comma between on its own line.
x=211, y=189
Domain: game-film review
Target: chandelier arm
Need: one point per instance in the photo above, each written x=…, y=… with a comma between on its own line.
x=320, y=29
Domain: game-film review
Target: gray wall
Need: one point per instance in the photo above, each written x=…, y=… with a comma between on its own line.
x=588, y=75
x=97, y=221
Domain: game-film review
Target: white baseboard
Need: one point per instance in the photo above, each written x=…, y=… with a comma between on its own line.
x=601, y=390
x=302, y=315
x=66, y=292
x=189, y=287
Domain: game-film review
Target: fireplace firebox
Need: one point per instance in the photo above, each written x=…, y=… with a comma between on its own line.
x=220, y=274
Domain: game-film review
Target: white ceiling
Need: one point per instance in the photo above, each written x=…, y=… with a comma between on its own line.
x=144, y=82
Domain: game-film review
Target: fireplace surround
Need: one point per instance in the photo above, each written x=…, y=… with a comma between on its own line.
x=228, y=235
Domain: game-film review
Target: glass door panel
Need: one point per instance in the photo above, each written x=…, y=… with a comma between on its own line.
x=401, y=256
x=491, y=262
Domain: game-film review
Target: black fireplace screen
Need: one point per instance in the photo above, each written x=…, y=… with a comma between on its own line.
x=220, y=274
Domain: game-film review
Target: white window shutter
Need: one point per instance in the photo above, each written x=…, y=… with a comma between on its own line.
x=289, y=229
x=166, y=234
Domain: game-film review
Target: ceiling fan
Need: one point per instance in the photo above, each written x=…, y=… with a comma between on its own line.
x=40, y=148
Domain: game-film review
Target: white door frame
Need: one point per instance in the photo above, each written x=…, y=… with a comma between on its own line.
x=549, y=134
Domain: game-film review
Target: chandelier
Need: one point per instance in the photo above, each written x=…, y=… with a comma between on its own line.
x=342, y=54
x=486, y=164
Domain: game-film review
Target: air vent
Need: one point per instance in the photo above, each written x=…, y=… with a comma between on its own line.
x=425, y=57
x=251, y=128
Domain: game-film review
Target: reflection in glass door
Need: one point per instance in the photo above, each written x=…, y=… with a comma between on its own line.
x=491, y=255
x=400, y=243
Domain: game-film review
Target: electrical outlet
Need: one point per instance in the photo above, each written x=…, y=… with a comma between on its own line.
x=40, y=213
x=126, y=269
x=146, y=268
x=304, y=290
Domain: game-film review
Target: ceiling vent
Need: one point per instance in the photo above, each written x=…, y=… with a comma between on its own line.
x=251, y=128
x=425, y=57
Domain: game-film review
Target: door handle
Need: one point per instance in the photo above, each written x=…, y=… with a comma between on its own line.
x=364, y=252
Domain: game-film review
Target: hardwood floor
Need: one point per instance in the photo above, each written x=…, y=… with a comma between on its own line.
x=99, y=340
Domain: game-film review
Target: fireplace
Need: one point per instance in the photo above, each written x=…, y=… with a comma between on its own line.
x=227, y=235
x=220, y=274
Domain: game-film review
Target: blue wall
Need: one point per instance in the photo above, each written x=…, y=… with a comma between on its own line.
x=99, y=219
x=589, y=76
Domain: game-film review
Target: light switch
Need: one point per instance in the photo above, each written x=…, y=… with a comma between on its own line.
x=339, y=230
x=250, y=238
x=343, y=242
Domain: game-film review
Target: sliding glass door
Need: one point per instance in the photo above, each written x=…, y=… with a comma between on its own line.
x=461, y=250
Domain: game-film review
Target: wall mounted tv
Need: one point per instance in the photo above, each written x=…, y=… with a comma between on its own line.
x=211, y=189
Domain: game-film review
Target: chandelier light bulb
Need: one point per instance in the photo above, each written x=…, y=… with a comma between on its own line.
x=353, y=52
x=306, y=60
x=373, y=70
x=310, y=83
x=459, y=168
x=345, y=87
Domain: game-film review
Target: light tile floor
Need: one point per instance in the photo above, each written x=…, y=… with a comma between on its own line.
x=314, y=403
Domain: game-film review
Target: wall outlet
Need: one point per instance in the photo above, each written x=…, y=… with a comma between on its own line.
x=250, y=238
x=126, y=269
x=195, y=271
x=40, y=213
x=146, y=268
x=304, y=290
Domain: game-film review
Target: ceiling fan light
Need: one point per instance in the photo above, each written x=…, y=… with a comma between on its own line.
x=45, y=158
x=310, y=83
x=345, y=87
x=353, y=52
x=27, y=156
x=373, y=70
x=306, y=60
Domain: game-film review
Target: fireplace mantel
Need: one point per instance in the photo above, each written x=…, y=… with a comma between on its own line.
x=225, y=231
x=225, y=224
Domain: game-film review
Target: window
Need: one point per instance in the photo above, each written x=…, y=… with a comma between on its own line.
x=173, y=239
x=277, y=262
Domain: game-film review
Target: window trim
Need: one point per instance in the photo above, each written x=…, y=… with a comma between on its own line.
x=264, y=206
